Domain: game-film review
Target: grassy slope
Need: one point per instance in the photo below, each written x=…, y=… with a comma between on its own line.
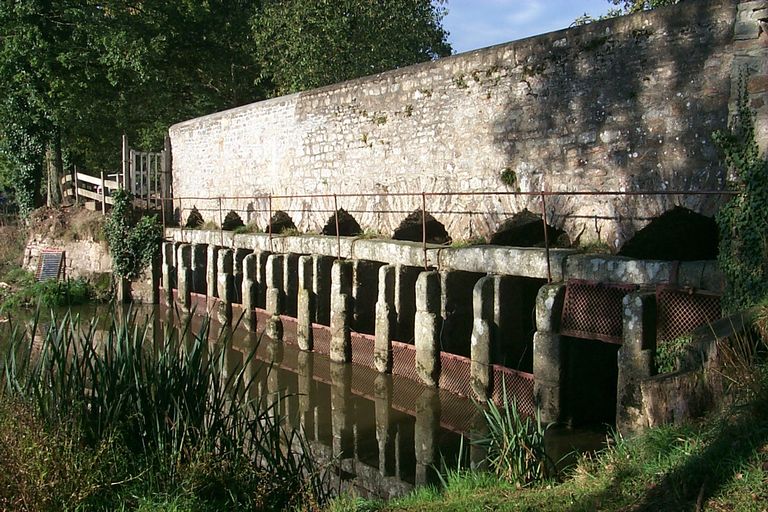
x=720, y=464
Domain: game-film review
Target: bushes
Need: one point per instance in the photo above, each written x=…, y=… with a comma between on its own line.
x=26, y=292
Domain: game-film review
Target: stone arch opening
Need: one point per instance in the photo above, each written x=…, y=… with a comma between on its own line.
x=678, y=234
x=348, y=225
x=411, y=229
x=526, y=229
x=232, y=221
x=280, y=222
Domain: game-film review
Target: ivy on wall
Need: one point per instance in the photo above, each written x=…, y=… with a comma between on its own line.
x=132, y=242
x=743, y=220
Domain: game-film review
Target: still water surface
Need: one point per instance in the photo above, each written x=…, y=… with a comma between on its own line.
x=385, y=434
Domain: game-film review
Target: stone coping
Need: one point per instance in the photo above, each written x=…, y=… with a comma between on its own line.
x=514, y=261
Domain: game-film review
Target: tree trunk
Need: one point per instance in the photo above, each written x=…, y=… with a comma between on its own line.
x=55, y=171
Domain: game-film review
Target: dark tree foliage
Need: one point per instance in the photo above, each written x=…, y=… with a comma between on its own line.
x=310, y=43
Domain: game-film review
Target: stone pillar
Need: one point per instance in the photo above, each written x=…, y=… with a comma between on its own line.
x=274, y=277
x=275, y=388
x=425, y=433
x=547, y=354
x=321, y=288
x=341, y=311
x=225, y=284
x=382, y=392
x=169, y=270
x=305, y=304
x=239, y=257
x=184, y=276
x=426, y=329
x=199, y=252
x=211, y=271
x=386, y=319
x=341, y=402
x=305, y=366
x=248, y=291
x=260, y=277
x=482, y=337
x=635, y=360
x=290, y=283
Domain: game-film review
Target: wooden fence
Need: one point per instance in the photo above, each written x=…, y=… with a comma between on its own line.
x=84, y=186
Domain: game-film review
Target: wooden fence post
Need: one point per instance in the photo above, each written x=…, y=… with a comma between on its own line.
x=126, y=164
x=103, y=195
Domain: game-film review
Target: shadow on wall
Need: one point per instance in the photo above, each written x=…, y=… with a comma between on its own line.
x=618, y=108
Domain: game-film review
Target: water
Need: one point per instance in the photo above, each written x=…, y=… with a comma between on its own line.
x=382, y=434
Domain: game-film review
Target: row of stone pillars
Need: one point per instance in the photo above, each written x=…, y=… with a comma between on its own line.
x=319, y=289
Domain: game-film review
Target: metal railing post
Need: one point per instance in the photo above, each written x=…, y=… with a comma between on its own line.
x=336, y=216
x=546, y=234
x=424, y=227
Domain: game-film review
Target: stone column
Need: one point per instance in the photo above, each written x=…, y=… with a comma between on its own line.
x=225, y=284
x=290, y=283
x=482, y=337
x=386, y=319
x=248, y=291
x=425, y=433
x=169, y=270
x=275, y=388
x=321, y=288
x=211, y=271
x=305, y=304
x=635, y=360
x=306, y=389
x=341, y=401
x=341, y=311
x=426, y=329
x=239, y=257
x=382, y=392
x=199, y=252
x=547, y=354
x=274, y=296
x=260, y=277
x=184, y=276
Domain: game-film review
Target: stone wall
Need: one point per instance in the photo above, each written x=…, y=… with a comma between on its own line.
x=83, y=258
x=627, y=104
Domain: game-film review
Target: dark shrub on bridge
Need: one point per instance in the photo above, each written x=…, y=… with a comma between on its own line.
x=232, y=221
x=411, y=229
x=677, y=235
x=526, y=229
x=194, y=219
x=348, y=226
x=280, y=222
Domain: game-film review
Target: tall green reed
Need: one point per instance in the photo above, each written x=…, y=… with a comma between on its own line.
x=169, y=395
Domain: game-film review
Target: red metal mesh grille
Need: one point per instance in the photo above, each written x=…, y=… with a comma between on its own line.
x=404, y=360
x=290, y=326
x=678, y=311
x=321, y=339
x=362, y=349
x=455, y=374
x=519, y=385
x=594, y=310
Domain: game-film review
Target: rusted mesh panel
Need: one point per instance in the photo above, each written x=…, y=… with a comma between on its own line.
x=594, y=310
x=404, y=360
x=290, y=326
x=519, y=386
x=457, y=413
x=455, y=374
x=678, y=311
x=362, y=349
x=321, y=336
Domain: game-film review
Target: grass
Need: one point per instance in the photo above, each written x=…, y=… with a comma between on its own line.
x=124, y=418
x=719, y=463
x=25, y=291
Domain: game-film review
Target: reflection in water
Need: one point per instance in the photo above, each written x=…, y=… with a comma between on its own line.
x=382, y=434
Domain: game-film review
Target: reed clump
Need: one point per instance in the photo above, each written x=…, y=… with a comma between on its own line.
x=179, y=415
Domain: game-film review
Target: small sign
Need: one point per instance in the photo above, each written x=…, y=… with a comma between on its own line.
x=50, y=264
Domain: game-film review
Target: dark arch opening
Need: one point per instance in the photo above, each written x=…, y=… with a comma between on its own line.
x=526, y=229
x=280, y=222
x=348, y=226
x=232, y=221
x=410, y=229
x=678, y=234
x=194, y=219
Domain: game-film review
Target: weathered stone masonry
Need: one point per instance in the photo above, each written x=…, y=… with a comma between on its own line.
x=627, y=104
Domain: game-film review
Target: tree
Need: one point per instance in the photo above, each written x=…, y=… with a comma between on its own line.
x=633, y=6
x=310, y=43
